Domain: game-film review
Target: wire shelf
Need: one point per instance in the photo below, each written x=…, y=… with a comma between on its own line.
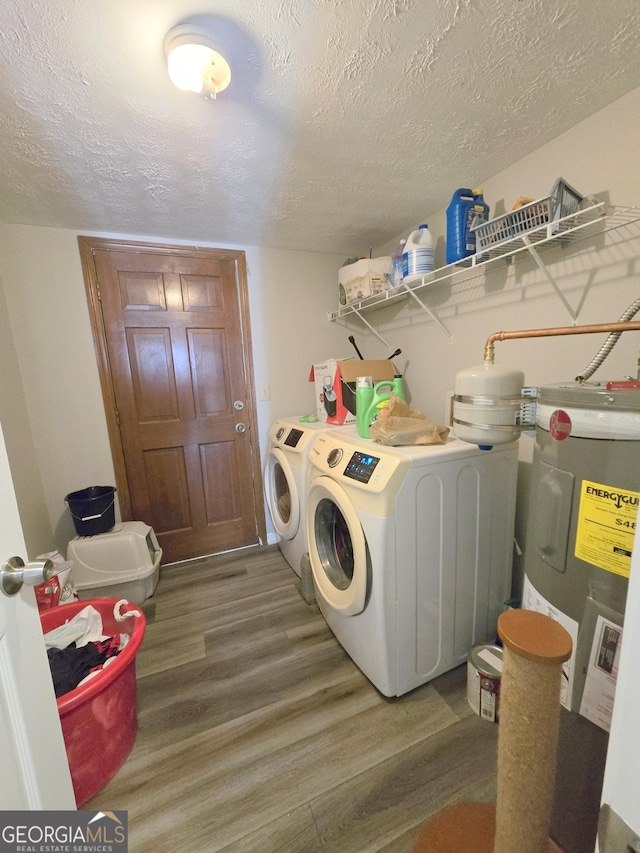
x=581, y=225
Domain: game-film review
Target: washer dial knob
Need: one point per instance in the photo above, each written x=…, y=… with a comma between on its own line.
x=334, y=457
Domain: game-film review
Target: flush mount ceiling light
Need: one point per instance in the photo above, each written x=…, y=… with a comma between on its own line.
x=193, y=62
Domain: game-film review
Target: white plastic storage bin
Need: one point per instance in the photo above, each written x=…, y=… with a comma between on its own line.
x=123, y=563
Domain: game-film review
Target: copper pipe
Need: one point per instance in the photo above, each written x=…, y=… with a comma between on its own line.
x=593, y=328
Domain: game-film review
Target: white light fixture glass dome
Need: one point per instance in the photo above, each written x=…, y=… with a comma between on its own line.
x=193, y=62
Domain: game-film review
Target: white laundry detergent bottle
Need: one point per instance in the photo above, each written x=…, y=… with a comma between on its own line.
x=418, y=252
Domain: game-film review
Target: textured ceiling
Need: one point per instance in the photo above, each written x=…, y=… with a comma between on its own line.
x=345, y=123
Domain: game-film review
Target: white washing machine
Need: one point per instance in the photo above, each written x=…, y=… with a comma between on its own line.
x=411, y=551
x=286, y=477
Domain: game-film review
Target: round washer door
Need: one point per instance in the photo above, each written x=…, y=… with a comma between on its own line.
x=337, y=547
x=282, y=495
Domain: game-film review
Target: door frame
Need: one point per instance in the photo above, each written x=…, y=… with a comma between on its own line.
x=88, y=246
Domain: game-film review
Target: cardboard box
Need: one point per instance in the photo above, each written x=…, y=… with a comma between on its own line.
x=364, y=278
x=335, y=385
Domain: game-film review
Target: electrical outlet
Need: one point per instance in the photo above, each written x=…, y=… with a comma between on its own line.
x=265, y=391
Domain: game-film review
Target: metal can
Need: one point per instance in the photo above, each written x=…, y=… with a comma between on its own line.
x=484, y=672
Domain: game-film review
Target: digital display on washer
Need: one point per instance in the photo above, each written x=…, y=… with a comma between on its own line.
x=293, y=438
x=360, y=466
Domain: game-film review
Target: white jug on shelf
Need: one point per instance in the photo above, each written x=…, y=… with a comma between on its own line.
x=418, y=252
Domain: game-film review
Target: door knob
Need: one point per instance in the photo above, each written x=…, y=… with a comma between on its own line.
x=14, y=572
x=240, y=428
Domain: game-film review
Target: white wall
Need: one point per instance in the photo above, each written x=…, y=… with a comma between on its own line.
x=290, y=294
x=597, y=156
x=49, y=317
x=20, y=446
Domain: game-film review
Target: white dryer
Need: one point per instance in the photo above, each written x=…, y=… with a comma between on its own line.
x=411, y=551
x=286, y=476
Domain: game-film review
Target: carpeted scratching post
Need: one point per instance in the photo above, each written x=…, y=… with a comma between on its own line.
x=535, y=647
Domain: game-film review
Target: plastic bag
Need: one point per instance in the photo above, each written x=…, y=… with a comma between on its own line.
x=48, y=593
x=85, y=627
x=401, y=424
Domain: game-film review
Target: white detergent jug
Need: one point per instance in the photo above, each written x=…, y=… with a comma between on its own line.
x=418, y=252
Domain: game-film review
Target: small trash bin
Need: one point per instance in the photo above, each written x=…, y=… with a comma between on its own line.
x=100, y=718
x=92, y=509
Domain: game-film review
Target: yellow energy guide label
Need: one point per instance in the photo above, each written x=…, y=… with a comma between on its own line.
x=606, y=527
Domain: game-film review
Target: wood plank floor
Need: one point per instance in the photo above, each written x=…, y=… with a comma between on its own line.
x=258, y=733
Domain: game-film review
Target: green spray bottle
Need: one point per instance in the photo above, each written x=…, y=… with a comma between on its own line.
x=364, y=396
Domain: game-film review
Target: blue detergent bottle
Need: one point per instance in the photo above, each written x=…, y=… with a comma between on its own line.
x=466, y=209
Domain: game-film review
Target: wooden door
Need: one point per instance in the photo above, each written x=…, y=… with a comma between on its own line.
x=172, y=334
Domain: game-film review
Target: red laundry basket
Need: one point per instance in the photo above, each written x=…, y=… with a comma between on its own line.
x=100, y=718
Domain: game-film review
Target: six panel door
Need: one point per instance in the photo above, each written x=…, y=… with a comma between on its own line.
x=175, y=350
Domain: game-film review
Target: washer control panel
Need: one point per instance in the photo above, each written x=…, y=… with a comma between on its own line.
x=361, y=466
x=293, y=438
x=352, y=463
